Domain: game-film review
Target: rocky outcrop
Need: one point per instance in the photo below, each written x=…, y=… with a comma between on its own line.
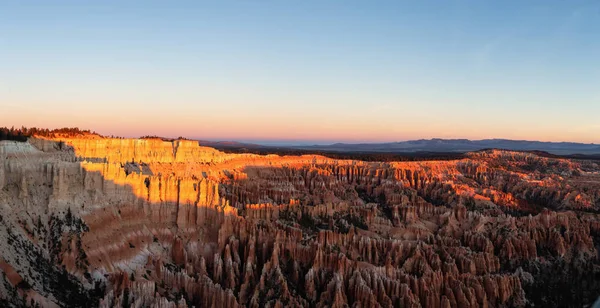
x=172, y=224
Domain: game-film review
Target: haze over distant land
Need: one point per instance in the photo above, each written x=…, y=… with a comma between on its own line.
x=423, y=145
x=462, y=145
x=322, y=71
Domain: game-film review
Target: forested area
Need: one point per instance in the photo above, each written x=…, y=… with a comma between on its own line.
x=21, y=134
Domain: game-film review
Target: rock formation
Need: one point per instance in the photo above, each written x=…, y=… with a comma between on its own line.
x=150, y=223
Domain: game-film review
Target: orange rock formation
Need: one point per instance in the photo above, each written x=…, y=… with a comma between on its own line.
x=126, y=222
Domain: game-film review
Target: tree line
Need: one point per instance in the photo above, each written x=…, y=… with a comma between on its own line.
x=163, y=138
x=21, y=134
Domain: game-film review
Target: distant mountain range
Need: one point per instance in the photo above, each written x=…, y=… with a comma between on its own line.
x=460, y=145
x=422, y=146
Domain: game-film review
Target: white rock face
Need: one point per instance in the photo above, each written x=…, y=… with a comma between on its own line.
x=14, y=147
x=2, y=173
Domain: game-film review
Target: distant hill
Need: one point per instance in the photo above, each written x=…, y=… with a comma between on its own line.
x=230, y=145
x=461, y=145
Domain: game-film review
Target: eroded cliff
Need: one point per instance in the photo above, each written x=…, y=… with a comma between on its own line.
x=137, y=223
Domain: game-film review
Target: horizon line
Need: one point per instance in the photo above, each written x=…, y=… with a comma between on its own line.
x=307, y=141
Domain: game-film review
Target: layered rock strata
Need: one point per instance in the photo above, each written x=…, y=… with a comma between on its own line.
x=148, y=223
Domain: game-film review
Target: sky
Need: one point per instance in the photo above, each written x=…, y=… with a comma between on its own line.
x=304, y=71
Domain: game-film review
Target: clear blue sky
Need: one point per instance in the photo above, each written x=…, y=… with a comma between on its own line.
x=315, y=71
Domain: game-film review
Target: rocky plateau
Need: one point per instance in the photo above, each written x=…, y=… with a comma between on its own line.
x=106, y=222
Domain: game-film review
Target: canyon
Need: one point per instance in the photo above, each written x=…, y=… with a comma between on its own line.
x=89, y=221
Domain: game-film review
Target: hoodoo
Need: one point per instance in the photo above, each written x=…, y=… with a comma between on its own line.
x=135, y=222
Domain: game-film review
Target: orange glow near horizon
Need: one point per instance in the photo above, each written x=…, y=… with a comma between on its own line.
x=292, y=130
x=297, y=72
